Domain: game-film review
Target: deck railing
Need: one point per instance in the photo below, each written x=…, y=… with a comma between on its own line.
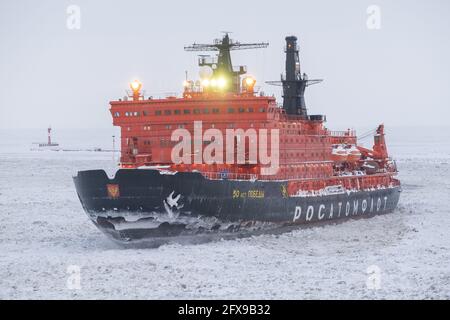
x=346, y=133
x=308, y=177
x=229, y=175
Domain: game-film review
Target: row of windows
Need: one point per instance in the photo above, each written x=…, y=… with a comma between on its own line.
x=299, y=168
x=127, y=114
x=188, y=111
x=231, y=125
x=303, y=140
x=215, y=111
x=208, y=111
x=292, y=155
x=182, y=126
x=312, y=154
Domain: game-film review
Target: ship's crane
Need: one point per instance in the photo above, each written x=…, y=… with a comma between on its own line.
x=222, y=66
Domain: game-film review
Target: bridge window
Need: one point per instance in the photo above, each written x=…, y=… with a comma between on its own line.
x=250, y=109
x=215, y=110
x=186, y=111
x=206, y=111
x=262, y=110
x=177, y=112
x=230, y=110
x=241, y=110
x=144, y=113
x=167, y=112
x=116, y=114
x=196, y=111
x=158, y=112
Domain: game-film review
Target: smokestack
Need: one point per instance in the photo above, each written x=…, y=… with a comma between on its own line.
x=293, y=83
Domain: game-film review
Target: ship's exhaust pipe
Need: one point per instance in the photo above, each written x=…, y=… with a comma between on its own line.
x=293, y=83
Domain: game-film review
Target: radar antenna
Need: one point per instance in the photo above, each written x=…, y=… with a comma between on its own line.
x=222, y=65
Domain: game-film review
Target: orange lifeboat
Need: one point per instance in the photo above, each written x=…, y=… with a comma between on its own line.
x=345, y=153
x=339, y=153
x=354, y=154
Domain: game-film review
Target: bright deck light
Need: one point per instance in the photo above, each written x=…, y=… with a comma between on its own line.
x=136, y=86
x=205, y=82
x=221, y=82
x=250, y=81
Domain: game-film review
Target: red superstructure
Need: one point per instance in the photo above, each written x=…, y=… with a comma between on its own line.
x=311, y=157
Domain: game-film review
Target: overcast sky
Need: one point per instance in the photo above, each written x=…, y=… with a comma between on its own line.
x=50, y=74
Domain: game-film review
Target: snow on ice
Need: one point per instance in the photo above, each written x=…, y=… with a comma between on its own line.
x=50, y=249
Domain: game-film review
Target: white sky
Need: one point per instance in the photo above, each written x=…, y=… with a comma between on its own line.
x=398, y=75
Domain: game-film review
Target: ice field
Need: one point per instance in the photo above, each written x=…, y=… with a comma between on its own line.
x=45, y=234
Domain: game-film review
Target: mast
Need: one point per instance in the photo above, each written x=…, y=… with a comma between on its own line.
x=293, y=84
x=222, y=65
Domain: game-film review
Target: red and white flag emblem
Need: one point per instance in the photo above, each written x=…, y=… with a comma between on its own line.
x=113, y=191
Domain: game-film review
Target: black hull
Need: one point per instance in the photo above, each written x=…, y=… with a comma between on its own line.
x=149, y=204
